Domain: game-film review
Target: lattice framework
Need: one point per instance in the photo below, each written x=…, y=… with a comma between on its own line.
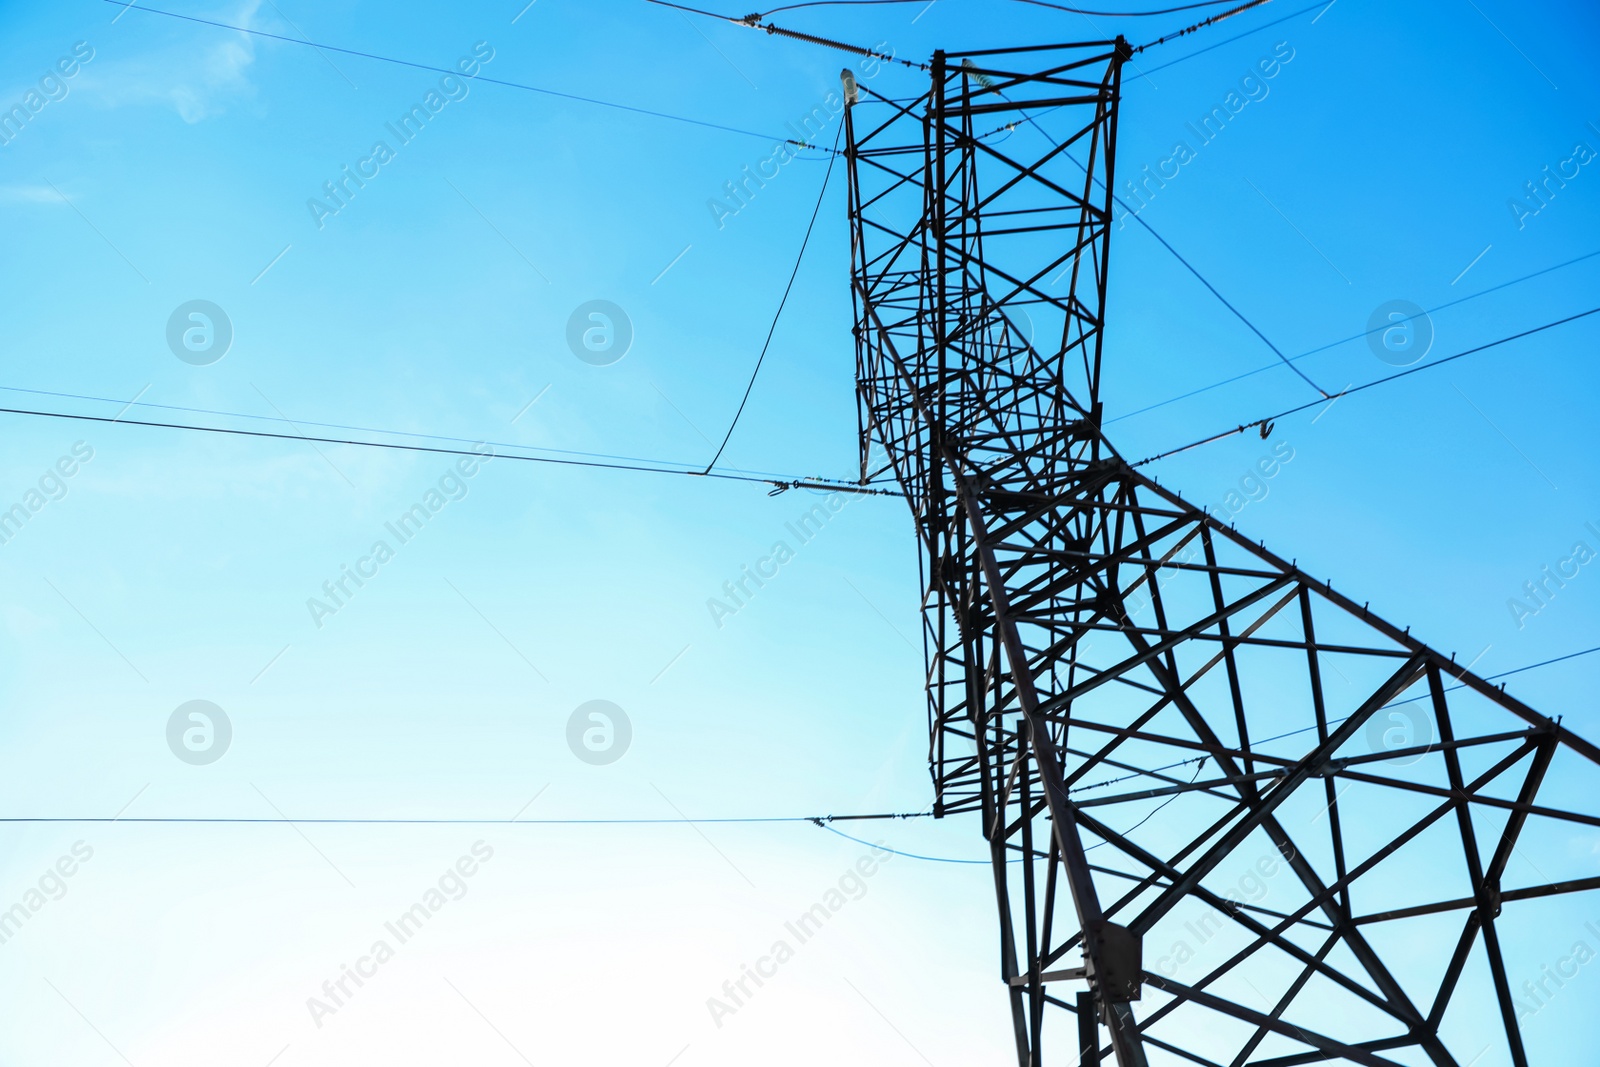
x=1097, y=646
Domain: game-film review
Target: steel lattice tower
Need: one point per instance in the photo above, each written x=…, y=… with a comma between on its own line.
x=1097, y=645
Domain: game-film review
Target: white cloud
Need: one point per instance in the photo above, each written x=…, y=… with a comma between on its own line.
x=29, y=194
x=197, y=88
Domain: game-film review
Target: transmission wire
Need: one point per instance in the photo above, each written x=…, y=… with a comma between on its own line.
x=1366, y=385
x=124, y=405
x=815, y=819
x=779, y=484
x=457, y=73
x=1352, y=337
x=786, y=289
x=1035, y=3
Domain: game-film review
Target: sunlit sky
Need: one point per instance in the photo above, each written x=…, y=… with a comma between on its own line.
x=182, y=161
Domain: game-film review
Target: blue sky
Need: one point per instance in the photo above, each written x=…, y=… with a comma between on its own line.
x=1379, y=163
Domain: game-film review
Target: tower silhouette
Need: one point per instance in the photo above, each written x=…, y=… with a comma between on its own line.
x=1234, y=817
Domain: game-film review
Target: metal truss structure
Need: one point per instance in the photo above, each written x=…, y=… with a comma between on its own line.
x=1259, y=824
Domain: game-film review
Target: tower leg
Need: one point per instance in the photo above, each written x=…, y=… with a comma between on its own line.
x=1088, y=1032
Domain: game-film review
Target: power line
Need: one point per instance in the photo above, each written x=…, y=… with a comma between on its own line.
x=1214, y=19
x=833, y=3
x=1320, y=4
x=1213, y=290
x=458, y=74
x=124, y=405
x=1352, y=337
x=1146, y=72
x=786, y=289
x=779, y=484
x=818, y=820
x=1541, y=663
x=1157, y=809
x=754, y=22
x=1366, y=385
x=1035, y=3
x=907, y=855
x=823, y=821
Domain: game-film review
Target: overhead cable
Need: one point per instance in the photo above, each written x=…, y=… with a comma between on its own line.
x=1263, y=422
x=683, y=821
x=1036, y=3
x=1214, y=19
x=754, y=22
x=415, y=434
x=1319, y=5
x=1353, y=337
x=458, y=74
x=799, y=257
x=778, y=484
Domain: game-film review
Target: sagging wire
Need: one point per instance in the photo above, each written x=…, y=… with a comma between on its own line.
x=776, y=315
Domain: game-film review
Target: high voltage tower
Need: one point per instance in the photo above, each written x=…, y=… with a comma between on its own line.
x=1098, y=646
